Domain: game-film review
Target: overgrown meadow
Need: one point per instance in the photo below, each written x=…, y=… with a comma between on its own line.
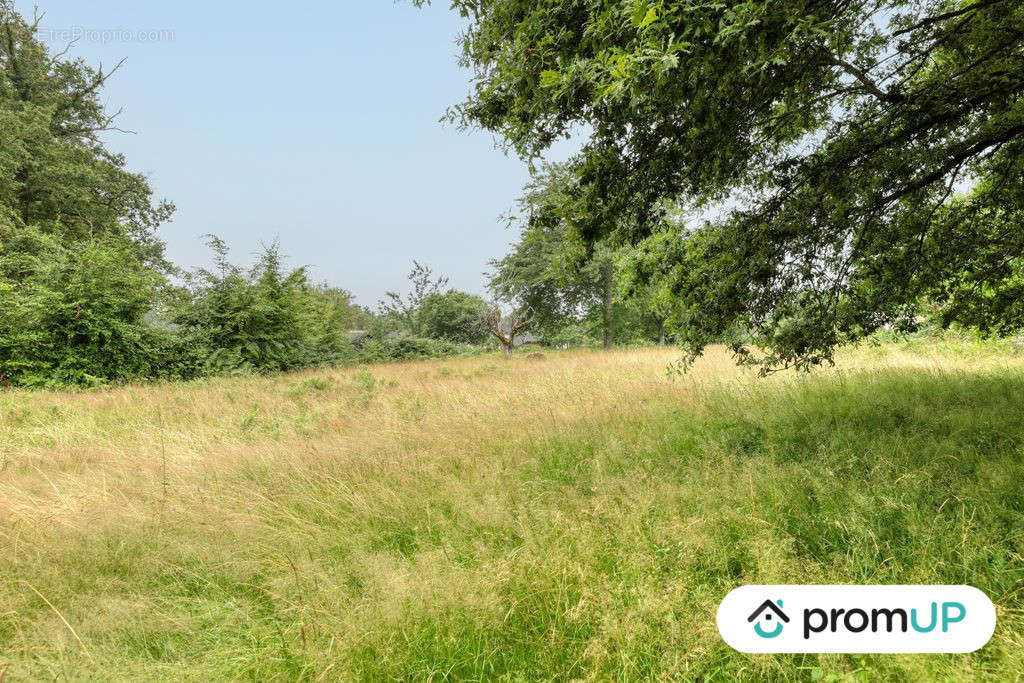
x=578, y=516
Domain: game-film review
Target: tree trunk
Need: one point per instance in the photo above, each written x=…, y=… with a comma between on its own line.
x=608, y=306
x=661, y=332
x=508, y=351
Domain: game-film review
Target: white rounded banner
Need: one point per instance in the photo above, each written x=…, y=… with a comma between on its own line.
x=856, y=619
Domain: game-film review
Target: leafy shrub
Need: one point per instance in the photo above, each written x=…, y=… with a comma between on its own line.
x=75, y=313
x=407, y=348
x=258, y=320
x=453, y=316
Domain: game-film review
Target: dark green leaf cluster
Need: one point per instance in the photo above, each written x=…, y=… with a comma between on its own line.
x=259, y=320
x=852, y=157
x=576, y=295
x=76, y=313
x=54, y=172
x=454, y=316
x=80, y=270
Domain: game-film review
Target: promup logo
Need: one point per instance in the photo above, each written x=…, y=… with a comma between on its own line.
x=764, y=615
x=856, y=619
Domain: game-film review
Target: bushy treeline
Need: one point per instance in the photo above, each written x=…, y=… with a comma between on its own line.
x=74, y=311
x=90, y=312
x=268, y=319
x=263, y=319
x=86, y=295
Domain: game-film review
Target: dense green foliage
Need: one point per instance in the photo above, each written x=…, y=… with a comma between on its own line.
x=75, y=313
x=575, y=296
x=454, y=316
x=539, y=273
x=827, y=141
x=260, y=320
x=402, y=313
x=80, y=269
x=54, y=172
x=431, y=320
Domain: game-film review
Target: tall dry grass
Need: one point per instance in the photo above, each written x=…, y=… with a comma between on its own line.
x=576, y=517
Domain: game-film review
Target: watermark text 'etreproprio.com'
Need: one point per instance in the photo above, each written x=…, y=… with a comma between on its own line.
x=82, y=34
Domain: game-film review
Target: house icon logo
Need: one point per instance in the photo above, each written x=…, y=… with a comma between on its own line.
x=764, y=616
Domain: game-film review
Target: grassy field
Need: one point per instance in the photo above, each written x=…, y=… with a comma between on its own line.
x=577, y=517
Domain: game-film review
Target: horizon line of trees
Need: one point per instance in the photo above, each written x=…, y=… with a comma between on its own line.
x=909, y=207
x=87, y=296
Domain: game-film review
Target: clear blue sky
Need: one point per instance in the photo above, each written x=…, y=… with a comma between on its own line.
x=315, y=123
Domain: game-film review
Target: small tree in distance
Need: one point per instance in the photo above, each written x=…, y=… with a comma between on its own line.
x=453, y=316
x=424, y=284
x=505, y=330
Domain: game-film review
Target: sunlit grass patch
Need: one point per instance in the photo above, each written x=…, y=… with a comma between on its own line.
x=477, y=519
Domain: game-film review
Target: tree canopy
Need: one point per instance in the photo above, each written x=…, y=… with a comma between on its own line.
x=851, y=156
x=80, y=267
x=55, y=172
x=404, y=312
x=574, y=294
x=538, y=274
x=454, y=316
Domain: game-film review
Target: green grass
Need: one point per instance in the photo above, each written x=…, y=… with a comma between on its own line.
x=594, y=547
x=907, y=478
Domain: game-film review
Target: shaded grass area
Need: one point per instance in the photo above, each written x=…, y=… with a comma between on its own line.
x=594, y=546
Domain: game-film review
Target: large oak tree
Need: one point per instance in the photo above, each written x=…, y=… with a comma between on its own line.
x=854, y=155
